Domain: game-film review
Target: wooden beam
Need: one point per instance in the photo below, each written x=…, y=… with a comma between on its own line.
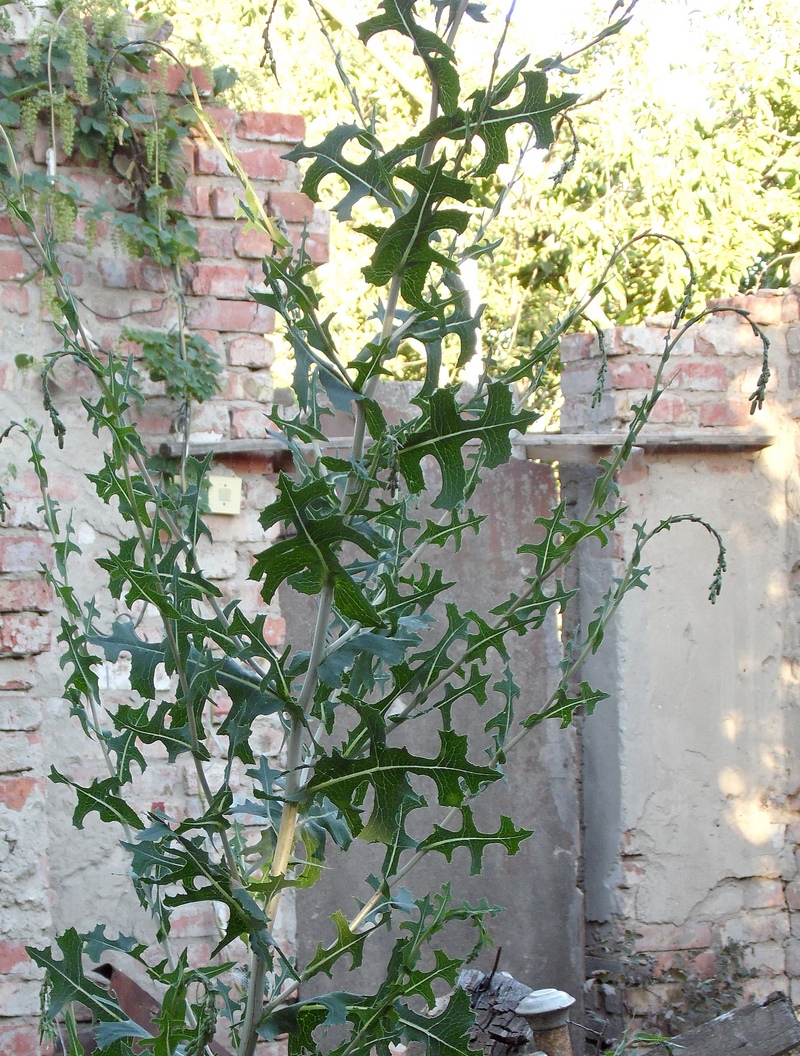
x=766, y=1029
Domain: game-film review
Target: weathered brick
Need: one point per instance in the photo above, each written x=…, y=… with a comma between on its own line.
x=279, y=128
x=211, y=422
x=226, y=316
x=172, y=77
x=209, y=162
x=765, y=893
x=220, y=280
x=12, y=954
x=19, y=1037
x=214, y=240
x=317, y=247
x=22, y=634
x=579, y=381
x=24, y=553
x=118, y=273
x=710, y=377
x=248, y=423
x=25, y=595
x=759, y=926
x=578, y=346
x=261, y=163
x=16, y=299
x=250, y=351
x=223, y=203
x=695, y=936
x=196, y=199
x=668, y=410
x=293, y=206
x=12, y=264
x=221, y=118
x=18, y=997
x=630, y=375
x=252, y=244
x=15, y=792
x=728, y=413
x=23, y=713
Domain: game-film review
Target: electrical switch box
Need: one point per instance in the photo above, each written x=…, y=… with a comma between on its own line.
x=225, y=495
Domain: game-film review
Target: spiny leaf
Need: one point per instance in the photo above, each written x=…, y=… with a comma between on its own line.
x=100, y=797
x=446, y=433
x=308, y=558
x=387, y=771
x=398, y=15
x=347, y=943
x=405, y=247
x=145, y=656
x=564, y=705
x=561, y=537
x=364, y=178
x=68, y=982
x=444, y=1035
x=446, y=841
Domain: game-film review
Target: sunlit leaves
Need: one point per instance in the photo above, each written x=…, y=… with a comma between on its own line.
x=399, y=16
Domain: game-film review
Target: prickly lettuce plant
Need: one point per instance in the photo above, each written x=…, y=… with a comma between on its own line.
x=387, y=645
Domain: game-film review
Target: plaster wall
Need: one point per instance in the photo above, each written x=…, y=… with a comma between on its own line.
x=690, y=772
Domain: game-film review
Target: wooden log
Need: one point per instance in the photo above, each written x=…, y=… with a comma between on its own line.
x=769, y=1028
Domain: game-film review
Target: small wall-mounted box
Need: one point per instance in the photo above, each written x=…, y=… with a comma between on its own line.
x=225, y=495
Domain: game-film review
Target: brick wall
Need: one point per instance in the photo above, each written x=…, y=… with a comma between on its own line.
x=49, y=879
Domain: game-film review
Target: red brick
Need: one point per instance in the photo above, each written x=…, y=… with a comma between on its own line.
x=12, y=265
x=252, y=244
x=221, y=280
x=232, y=315
x=24, y=553
x=280, y=128
x=250, y=351
x=222, y=202
x=19, y=1037
x=209, y=162
x=196, y=198
x=710, y=377
x=261, y=163
x=12, y=953
x=6, y=227
x=669, y=409
x=221, y=118
x=627, y=375
x=15, y=299
x=215, y=241
x=248, y=422
x=725, y=414
x=25, y=595
x=23, y=634
x=293, y=206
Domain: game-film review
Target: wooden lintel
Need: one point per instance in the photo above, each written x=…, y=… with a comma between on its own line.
x=577, y=448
